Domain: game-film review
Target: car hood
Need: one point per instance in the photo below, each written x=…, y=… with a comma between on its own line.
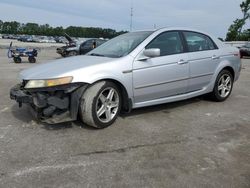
x=61, y=67
x=68, y=38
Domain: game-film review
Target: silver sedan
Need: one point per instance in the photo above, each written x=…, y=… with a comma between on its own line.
x=133, y=70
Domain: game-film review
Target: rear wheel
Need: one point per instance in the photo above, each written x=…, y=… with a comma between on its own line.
x=32, y=59
x=17, y=59
x=100, y=104
x=223, y=86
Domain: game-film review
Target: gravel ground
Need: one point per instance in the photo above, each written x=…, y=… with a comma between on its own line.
x=193, y=143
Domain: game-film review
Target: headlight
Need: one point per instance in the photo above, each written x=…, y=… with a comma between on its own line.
x=48, y=83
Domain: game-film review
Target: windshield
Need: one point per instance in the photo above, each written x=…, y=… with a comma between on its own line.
x=122, y=45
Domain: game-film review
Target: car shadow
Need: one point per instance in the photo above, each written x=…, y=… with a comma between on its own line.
x=165, y=108
x=24, y=114
x=67, y=125
x=23, y=61
x=55, y=127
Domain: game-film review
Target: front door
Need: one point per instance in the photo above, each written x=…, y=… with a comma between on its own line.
x=163, y=76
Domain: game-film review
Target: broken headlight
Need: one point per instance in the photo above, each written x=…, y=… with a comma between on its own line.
x=48, y=82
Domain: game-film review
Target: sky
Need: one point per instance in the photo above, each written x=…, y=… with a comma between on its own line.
x=212, y=16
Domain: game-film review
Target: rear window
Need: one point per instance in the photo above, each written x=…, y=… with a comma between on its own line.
x=198, y=42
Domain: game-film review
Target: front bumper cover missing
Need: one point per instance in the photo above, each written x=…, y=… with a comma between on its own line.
x=53, y=104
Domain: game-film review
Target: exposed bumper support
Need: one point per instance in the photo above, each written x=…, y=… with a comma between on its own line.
x=51, y=105
x=17, y=94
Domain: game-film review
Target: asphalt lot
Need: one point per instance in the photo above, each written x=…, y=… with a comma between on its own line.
x=193, y=143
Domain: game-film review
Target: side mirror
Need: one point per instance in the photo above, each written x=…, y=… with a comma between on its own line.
x=149, y=53
x=152, y=52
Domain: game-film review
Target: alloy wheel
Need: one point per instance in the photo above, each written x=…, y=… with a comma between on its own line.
x=107, y=105
x=224, y=85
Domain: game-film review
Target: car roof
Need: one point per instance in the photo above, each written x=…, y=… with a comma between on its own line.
x=172, y=29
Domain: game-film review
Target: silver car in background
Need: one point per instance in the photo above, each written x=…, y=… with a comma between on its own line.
x=133, y=70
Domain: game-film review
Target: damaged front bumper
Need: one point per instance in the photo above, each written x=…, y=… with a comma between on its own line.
x=52, y=104
x=61, y=51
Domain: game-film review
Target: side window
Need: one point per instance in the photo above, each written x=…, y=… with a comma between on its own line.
x=198, y=42
x=99, y=42
x=88, y=44
x=169, y=43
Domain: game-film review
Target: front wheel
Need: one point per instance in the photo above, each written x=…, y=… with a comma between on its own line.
x=100, y=104
x=72, y=53
x=17, y=59
x=223, y=86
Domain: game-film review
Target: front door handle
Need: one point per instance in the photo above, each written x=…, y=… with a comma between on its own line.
x=182, y=62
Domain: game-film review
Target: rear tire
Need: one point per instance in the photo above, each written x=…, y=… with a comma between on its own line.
x=32, y=59
x=100, y=104
x=223, y=86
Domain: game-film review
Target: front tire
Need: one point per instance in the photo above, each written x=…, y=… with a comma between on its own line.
x=72, y=53
x=100, y=104
x=223, y=86
x=17, y=59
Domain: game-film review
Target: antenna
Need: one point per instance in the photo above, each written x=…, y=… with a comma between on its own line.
x=131, y=16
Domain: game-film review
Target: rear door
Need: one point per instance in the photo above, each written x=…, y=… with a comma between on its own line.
x=163, y=76
x=203, y=59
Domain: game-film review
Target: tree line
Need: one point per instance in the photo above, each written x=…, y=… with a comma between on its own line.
x=14, y=27
x=235, y=31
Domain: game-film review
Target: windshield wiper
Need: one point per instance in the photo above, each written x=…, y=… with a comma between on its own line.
x=94, y=54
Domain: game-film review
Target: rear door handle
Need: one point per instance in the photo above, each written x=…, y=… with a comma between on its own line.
x=214, y=57
x=182, y=62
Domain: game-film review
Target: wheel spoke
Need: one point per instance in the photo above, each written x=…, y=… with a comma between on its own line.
x=114, y=104
x=111, y=94
x=220, y=87
x=101, y=111
x=227, y=80
x=108, y=114
x=222, y=79
x=229, y=87
x=223, y=92
x=102, y=98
